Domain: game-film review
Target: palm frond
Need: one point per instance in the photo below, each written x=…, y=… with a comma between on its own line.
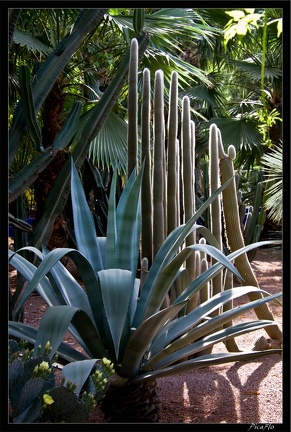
x=254, y=69
x=30, y=42
x=109, y=148
x=273, y=164
x=240, y=132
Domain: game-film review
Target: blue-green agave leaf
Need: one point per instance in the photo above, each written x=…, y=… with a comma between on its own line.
x=56, y=321
x=29, y=333
x=72, y=292
x=182, y=325
x=142, y=337
x=204, y=361
x=52, y=328
x=111, y=226
x=84, y=226
x=214, y=338
x=214, y=270
x=27, y=270
x=116, y=288
x=128, y=224
x=78, y=372
x=85, y=269
x=168, y=275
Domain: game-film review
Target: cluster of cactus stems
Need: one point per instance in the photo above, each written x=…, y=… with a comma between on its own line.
x=233, y=231
x=168, y=189
x=36, y=397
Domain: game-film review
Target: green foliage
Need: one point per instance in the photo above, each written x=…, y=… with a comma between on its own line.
x=273, y=165
x=112, y=318
x=36, y=397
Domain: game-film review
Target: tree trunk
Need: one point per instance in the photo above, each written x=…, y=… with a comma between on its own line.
x=52, y=124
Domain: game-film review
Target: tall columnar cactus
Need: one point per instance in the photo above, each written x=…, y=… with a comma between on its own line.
x=214, y=183
x=215, y=207
x=161, y=183
x=146, y=192
x=235, y=237
x=205, y=291
x=159, y=167
x=230, y=344
x=173, y=209
x=255, y=221
x=132, y=137
x=158, y=214
x=188, y=163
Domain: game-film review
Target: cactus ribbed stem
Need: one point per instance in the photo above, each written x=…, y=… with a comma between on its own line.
x=202, y=241
x=230, y=344
x=173, y=167
x=132, y=136
x=159, y=164
x=254, y=227
x=205, y=291
x=146, y=191
x=253, y=221
x=215, y=206
x=144, y=268
x=236, y=241
x=188, y=187
x=188, y=172
x=214, y=183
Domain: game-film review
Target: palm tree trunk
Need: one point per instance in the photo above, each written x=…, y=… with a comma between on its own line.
x=52, y=123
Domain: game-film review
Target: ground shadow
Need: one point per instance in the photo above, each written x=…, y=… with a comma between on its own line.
x=249, y=393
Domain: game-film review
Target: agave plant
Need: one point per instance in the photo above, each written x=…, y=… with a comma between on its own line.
x=113, y=315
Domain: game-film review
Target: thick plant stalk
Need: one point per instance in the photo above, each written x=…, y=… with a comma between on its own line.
x=188, y=187
x=188, y=175
x=214, y=183
x=230, y=344
x=205, y=290
x=236, y=241
x=144, y=268
x=215, y=206
x=159, y=164
x=132, y=136
x=254, y=228
x=146, y=191
x=173, y=161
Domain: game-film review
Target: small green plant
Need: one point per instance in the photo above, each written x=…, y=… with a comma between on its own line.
x=36, y=397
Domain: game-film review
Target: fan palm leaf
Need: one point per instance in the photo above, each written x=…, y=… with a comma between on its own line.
x=272, y=163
